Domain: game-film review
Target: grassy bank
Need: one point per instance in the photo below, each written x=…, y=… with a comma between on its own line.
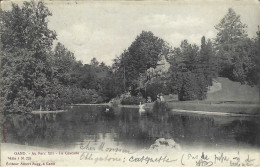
x=250, y=109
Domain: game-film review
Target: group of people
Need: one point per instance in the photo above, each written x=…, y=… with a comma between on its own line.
x=160, y=97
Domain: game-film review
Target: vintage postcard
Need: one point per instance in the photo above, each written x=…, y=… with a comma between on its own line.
x=130, y=83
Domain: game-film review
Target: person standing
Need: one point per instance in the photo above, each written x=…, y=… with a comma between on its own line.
x=161, y=97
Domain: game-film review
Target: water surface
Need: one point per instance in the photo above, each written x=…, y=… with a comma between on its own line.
x=127, y=127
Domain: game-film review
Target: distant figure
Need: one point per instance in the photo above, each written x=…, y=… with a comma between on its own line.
x=161, y=97
x=158, y=98
x=149, y=100
x=107, y=110
x=141, y=107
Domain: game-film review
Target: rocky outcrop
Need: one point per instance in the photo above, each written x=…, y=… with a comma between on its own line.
x=162, y=144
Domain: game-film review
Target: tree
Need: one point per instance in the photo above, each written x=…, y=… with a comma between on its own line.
x=141, y=55
x=26, y=45
x=189, y=55
x=94, y=62
x=202, y=86
x=174, y=79
x=63, y=63
x=231, y=47
x=88, y=78
x=230, y=31
x=145, y=50
x=189, y=88
x=191, y=70
x=256, y=74
x=207, y=61
x=253, y=69
x=109, y=87
x=184, y=59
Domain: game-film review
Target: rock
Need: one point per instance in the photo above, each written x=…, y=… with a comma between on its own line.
x=163, y=144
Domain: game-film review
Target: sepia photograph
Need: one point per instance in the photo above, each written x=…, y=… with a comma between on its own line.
x=130, y=83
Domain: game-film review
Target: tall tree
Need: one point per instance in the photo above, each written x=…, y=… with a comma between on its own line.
x=189, y=70
x=253, y=70
x=63, y=63
x=26, y=45
x=189, y=55
x=142, y=54
x=94, y=62
x=207, y=60
x=257, y=62
x=230, y=31
x=231, y=47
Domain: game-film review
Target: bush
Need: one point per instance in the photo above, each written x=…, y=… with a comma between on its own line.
x=63, y=96
x=57, y=98
x=115, y=101
x=160, y=107
x=24, y=101
x=132, y=100
x=193, y=87
x=100, y=99
x=153, y=89
x=202, y=86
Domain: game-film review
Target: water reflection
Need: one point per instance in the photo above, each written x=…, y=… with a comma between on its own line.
x=126, y=126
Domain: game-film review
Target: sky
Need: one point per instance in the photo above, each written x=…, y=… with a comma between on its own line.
x=104, y=29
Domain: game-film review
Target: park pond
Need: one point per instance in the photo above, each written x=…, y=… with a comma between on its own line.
x=127, y=127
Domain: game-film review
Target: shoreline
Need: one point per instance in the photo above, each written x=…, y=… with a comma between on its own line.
x=212, y=113
x=47, y=112
x=188, y=108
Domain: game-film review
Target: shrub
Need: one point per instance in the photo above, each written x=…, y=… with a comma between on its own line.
x=100, y=99
x=58, y=97
x=23, y=102
x=189, y=88
x=193, y=87
x=160, y=107
x=86, y=97
x=153, y=89
x=115, y=101
x=202, y=86
x=132, y=100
